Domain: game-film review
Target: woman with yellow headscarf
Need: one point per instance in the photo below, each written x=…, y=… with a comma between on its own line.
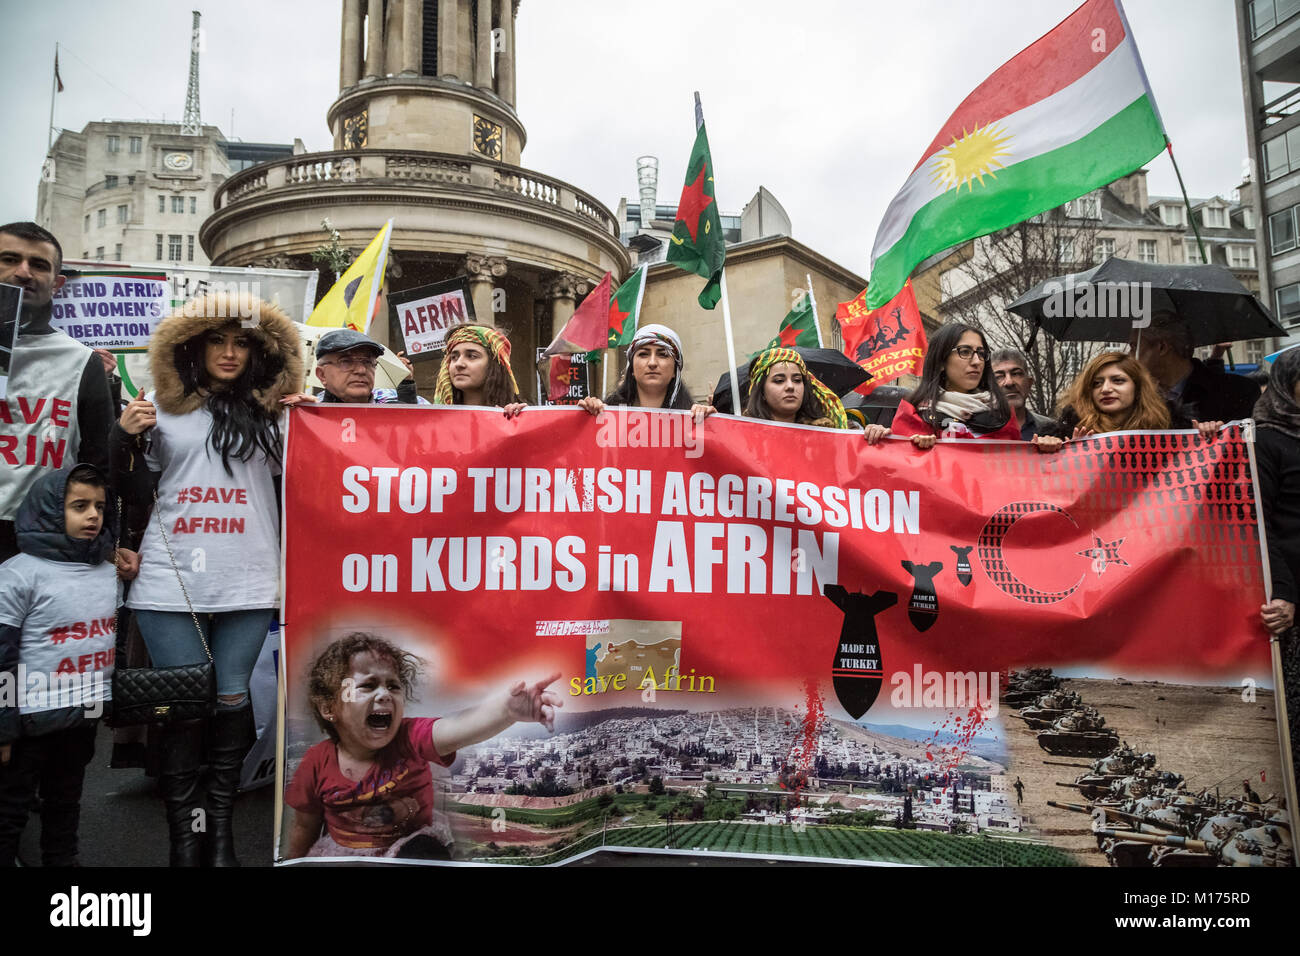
x=476, y=371
x=781, y=389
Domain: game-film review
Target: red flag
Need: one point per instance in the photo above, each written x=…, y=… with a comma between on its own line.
x=888, y=342
x=588, y=328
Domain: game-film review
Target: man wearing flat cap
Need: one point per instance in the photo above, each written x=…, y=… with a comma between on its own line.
x=345, y=365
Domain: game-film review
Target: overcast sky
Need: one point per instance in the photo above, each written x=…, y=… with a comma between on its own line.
x=827, y=103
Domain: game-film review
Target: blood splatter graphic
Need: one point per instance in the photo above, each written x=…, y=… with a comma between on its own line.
x=953, y=741
x=803, y=751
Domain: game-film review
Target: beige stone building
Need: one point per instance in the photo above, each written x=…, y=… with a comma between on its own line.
x=426, y=133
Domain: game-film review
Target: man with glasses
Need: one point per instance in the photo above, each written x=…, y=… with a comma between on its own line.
x=345, y=365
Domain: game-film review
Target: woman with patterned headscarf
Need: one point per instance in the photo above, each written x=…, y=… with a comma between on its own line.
x=653, y=378
x=476, y=371
x=781, y=389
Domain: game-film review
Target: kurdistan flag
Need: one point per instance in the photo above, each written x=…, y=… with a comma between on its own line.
x=799, y=328
x=625, y=309
x=696, y=244
x=1071, y=112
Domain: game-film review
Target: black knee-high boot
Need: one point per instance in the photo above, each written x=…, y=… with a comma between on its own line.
x=233, y=733
x=181, y=747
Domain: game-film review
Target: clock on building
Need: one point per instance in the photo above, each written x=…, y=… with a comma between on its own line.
x=487, y=137
x=178, y=161
x=354, y=130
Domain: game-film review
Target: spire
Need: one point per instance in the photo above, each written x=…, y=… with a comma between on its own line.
x=191, y=125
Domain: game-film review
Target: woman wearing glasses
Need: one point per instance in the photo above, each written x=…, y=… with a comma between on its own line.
x=957, y=397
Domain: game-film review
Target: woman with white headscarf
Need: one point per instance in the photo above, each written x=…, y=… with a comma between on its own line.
x=653, y=378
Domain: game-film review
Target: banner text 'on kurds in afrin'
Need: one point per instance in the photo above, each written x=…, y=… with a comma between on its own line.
x=766, y=639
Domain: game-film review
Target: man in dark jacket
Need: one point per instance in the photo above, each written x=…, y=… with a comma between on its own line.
x=345, y=365
x=1202, y=393
x=59, y=410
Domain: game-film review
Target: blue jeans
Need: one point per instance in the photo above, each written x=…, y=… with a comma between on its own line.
x=235, y=637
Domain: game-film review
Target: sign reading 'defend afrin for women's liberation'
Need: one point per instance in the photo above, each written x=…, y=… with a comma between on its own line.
x=116, y=310
x=426, y=314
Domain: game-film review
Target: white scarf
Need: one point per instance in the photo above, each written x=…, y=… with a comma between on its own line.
x=960, y=406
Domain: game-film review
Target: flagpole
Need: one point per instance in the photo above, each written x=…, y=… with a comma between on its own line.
x=726, y=304
x=816, y=322
x=54, y=79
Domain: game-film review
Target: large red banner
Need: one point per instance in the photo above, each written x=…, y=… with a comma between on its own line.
x=741, y=610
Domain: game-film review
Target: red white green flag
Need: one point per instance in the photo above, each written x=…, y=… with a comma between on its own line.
x=1071, y=112
x=625, y=310
x=588, y=328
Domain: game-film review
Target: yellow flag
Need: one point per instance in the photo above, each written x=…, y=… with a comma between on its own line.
x=350, y=302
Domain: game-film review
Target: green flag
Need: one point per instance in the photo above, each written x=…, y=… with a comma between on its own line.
x=799, y=327
x=625, y=309
x=696, y=244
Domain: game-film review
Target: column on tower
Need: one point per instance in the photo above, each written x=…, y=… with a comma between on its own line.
x=506, y=58
x=447, y=19
x=483, y=47
x=480, y=271
x=375, y=38
x=563, y=290
x=350, y=51
x=393, y=22
x=412, y=36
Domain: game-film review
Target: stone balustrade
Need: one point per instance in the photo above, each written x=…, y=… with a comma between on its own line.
x=375, y=167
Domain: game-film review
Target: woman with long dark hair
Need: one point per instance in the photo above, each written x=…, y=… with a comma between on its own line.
x=653, y=377
x=209, y=439
x=781, y=389
x=957, y=397
x=1114, y=393
x=476, y=370
x=1277, y=456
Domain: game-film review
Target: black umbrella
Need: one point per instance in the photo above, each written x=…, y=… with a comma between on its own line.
x=834, y=369
x=1102, y=304
x=877, y=408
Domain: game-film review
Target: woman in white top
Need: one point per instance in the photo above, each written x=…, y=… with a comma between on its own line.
x=210, y=436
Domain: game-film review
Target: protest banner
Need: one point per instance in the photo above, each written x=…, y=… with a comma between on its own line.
x=11, y=300
x=563, y=379
x=112, y=310
x=423, y=316
x=767, y=639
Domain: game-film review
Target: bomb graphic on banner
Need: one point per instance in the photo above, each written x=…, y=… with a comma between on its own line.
x=856, y=668
x=963, y=563
x=923, y=607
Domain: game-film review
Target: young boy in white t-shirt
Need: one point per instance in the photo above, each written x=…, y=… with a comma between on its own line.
x=58, y=606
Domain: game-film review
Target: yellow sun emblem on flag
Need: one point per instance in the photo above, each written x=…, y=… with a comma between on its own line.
x=972, y=156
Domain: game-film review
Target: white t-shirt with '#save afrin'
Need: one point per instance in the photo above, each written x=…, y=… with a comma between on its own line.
x=222, y=528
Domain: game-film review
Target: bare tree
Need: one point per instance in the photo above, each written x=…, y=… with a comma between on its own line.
x=995, y=270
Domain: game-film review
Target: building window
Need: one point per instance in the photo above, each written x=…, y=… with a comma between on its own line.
x=101, y=218
x=1266, y=14
x=189, y=248
x=1146, y=250
x=162, y=203
x=110, y=182
x=1064, y=249
x=136, y=144
x=194, y=205
x=178, y=204
x=1085, y=207
x=1254, y=351
x=99, y=253
x=1282, y=154
x=1171, y=215
x=1241, y=257
x=1192, y=251
x=1282, y=231
x=1103, y=249
x=1288, y=304
x=114, y=144
x=157, y=246
x=117, y=252
x=121, y=213
x=1215, y=217
x=174, y=248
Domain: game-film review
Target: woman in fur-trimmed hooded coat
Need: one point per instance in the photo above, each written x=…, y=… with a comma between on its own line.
x=210, y=436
